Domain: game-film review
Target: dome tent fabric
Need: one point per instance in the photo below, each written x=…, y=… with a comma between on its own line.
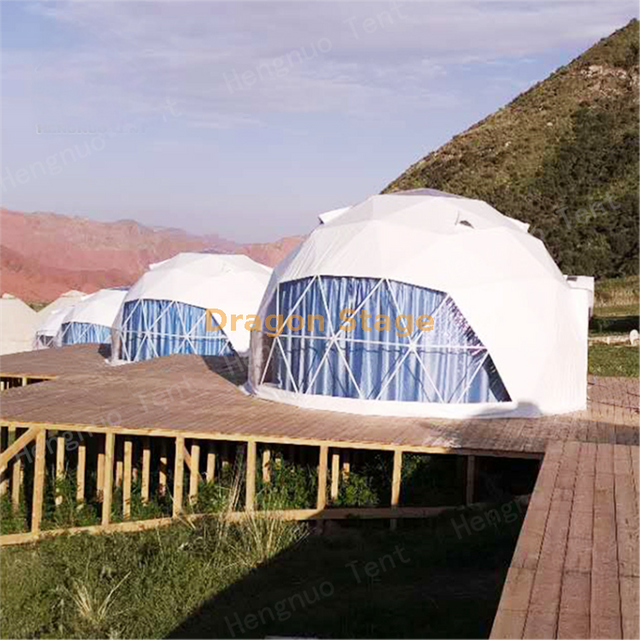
x=62, y=302
x=90, y=320
x=50, y=318
x=47, y=331
x=165, y=312
x=509, y=335
x=17, y=325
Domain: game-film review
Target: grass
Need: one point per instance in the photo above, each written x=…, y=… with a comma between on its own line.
x=191, y=580
x=614, y=360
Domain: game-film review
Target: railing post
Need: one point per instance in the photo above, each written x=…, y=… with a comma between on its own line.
x=178, y=477
x=251, y=476
x=322, y=477
x=107, y=489
x=38, y=481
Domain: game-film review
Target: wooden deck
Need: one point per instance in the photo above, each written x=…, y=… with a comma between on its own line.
x=186, y=395
x=46, y=364
x=574, y=573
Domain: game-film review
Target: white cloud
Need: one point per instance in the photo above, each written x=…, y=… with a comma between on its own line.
x=230, y=65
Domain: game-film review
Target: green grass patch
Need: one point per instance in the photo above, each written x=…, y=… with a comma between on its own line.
x=437, y=578
x=614, y=360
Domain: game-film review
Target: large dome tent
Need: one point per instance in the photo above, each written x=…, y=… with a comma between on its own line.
x=165, y=311
x=90, y=319
x=17, y=325
x=47, y=330
x=508, y=334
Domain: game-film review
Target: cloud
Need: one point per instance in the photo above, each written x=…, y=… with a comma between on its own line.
x=235, y=65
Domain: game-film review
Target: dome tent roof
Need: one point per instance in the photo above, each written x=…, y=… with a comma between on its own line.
x=17, y=325
x=232, y=283
x=501, y=278
x=97, y=308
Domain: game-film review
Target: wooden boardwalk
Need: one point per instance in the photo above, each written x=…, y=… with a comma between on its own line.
x=574, y=573
x=187, y=396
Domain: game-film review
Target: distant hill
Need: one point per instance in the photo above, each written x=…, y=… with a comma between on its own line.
x=562, y=156
x=45, y=254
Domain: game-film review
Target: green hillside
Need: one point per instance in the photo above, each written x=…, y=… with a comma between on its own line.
x=562, y=156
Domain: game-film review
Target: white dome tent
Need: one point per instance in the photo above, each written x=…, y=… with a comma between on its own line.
x=17, y=325
x=50, y=318
x=90, y=320
x=62, y=302
x=165, y=312
x=507, y=335
x=47, y=331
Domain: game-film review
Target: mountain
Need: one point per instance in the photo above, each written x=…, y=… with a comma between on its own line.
x=562, y=156
x=45, y=254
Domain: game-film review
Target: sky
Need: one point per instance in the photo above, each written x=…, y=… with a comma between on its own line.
x=248, y=119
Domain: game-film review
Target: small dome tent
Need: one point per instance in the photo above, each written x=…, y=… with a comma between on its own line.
x=165, y=312
x=64, y=302
x=47, y=331
x=90, y=320
x=50, y=318
x=17, y=325
x=480, y=321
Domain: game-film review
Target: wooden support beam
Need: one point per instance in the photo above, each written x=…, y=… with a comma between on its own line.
x=38, y=480
x=119, y=461
x=250, y=497
x=178, y=477
x=146, y=469
x=81, y=472
x=16, y=483
x=163, y=468
x=18, y=445
x=194, y=473
x=335, y=475
x=322, y=476
x=4, y=443
x=25, y=381
x=266, y=465
x=396, y=478
x=225, y=456
x=211, y=462
x=126, y=484
x=346, y=464
x=60, y=451
x=396, y=481
x=471, y=479
x=100, y=472
x=107, y=488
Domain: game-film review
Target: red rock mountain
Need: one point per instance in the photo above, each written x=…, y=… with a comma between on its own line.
x=45, y=254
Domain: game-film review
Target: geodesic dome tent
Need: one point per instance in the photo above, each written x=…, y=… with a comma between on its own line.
x=17, y=325
x=165, y=312
x=62, y=302
x=47, y=330
x=508, y=335
x=90, y=320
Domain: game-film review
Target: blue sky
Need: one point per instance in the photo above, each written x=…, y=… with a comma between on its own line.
x=247, y=119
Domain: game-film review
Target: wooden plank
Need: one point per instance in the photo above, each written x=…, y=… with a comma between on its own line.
x=323, y=462
x=16, y=483
x=18, y=445
x=250, y=495
x=335, y=475
x=470, y=480
x=178, y=477
x=60, y=451
x=81, y=472
x=119, y=461
x=266, y=465
x=346, y=464
x=163, y=468
x=107, y=486
x=508, y=624
x=194, y=475
x=211, y=462
x=4, y=443
x=396, y=478
x=100, y=471
x=630, y=607
x=127, y=477
x=146, y=470
x=38, y=480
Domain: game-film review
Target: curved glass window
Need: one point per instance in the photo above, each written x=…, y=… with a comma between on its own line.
x=84, y=333
x=395, y=360
x=153, y=328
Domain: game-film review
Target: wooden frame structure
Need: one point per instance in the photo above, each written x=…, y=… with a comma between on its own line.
x=105, y=445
